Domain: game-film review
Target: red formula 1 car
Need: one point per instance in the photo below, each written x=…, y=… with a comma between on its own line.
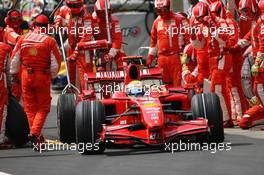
x=154, y=116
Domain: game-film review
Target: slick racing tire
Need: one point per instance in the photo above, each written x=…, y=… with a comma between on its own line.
x=17, y=127
x=246, y=78
x=208, y=106
x=66, y=118
x=89, y=119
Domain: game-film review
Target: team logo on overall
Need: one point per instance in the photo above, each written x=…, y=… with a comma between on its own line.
x=33, y=51
x=160, y=26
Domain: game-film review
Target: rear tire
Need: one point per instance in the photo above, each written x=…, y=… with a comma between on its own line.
x=17, y=127
x=66, y=118
x=212, y=111
x=89, y=119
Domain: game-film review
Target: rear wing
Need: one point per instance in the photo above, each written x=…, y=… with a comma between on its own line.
x=119, y=76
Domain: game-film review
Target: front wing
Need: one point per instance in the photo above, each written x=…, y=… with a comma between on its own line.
x=125, y=134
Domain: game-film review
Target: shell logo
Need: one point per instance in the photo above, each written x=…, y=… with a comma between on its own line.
x=150, y=105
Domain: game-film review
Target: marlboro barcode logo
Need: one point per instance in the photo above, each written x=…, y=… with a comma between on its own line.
x=145, y=72
x=110, y=75
x=117, y=74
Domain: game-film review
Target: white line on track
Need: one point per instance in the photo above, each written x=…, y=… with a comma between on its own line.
x=3, y=173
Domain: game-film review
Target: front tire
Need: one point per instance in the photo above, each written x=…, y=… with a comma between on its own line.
x=208, y=106
x=66, y=118
x=89, y=119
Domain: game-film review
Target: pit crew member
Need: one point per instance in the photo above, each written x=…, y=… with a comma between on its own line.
x=255, y=115
x=115, y=52
x=12, y=32
x=168, y=42
x=219, y=60
x=38, y=56
x=78, y=23
x=234, y=78
x=5, y=50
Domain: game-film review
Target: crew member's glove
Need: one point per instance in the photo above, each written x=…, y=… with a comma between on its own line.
x=73, y=56
x=255, y=70
x=183, y=58
x=259, y=59
x=149, y=60
x=185, y=68
x=243, y=43
x=254, y=101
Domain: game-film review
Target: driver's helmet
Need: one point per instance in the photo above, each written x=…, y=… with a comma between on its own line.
x=135, y=89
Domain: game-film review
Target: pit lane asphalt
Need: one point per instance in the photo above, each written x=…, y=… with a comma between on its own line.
x=246, y=157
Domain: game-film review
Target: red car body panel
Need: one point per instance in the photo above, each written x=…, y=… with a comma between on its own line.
x=145, y=119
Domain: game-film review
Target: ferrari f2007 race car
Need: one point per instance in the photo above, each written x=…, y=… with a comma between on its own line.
x=149, y=114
